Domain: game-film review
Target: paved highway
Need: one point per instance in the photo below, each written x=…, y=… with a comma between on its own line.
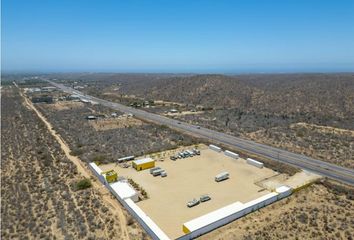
x=332, y=171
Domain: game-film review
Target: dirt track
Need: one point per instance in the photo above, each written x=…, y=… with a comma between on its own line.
x=107, y=197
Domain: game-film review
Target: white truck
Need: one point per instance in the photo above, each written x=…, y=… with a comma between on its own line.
x=222, y=176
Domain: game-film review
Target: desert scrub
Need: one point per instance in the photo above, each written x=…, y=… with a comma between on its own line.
x=83, y=184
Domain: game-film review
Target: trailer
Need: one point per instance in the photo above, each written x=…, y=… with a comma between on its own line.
x=222, y=176
x=231, y=154
x=124, y=159
x=215, y=148
x=255, y=163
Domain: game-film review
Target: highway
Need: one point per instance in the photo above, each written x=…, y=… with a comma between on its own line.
x=344, y=175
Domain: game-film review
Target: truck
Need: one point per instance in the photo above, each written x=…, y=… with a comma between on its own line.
x=222, y=176
x=193, y=203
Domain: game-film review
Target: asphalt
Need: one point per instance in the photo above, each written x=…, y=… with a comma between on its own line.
x=332, y=171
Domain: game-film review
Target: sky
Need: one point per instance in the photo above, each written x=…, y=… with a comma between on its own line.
x=224, y=36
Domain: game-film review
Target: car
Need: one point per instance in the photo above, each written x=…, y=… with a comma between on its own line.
x=204, y=198
x=193, y=203
x=163, y=174
x=173, y=158
x=179, y=122
x=198, y=127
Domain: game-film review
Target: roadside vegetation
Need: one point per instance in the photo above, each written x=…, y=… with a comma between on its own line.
x=37, y=201
x=320, y=211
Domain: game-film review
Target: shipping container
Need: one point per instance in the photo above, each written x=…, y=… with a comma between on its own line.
x=254, y=163
x=215, y=148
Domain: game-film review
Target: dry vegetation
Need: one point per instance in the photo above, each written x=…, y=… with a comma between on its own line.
x=324, y=143
x=111, y=143
x=316, y=212
x=39, y=199
x=113, y=123
x=264, y=108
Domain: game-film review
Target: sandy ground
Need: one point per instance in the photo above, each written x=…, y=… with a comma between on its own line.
x=66, y=105
x=189, y=178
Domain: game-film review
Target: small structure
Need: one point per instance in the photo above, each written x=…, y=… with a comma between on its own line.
x=142, y=164
x=124, y=191
x=255, y=163
x=231, y=154
x=110, y=176
x=48, y=89
x=215, y=148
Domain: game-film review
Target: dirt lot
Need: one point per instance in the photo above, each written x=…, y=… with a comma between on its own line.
x=66, y=105
x=189, y=178
x=113, y=123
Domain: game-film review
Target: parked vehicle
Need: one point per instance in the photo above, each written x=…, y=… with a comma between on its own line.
x=222, y=176
x=157, y=172
x=196, y=152
x=193, y=203
x=153, y=169
x=204, y=198
x=163, y=174
x=173, y=158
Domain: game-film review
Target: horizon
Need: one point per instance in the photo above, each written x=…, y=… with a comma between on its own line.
x=200, y=37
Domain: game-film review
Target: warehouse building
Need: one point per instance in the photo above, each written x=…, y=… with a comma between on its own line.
x=142, y=164
x=225, y=215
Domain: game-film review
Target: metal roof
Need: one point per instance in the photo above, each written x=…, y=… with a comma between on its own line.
x=123, y=189
x=211, y=217
x=142, y=161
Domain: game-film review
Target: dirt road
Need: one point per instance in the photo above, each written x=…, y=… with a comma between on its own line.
x=106, y=195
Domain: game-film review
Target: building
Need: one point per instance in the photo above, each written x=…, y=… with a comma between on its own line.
x=42, y=99
x=124, y=191
x=142, y=164
x=110, y=176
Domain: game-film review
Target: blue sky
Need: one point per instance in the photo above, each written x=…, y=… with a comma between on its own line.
x=178, y=36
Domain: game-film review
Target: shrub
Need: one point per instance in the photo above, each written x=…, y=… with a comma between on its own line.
x=76, y=152
x=83, y=184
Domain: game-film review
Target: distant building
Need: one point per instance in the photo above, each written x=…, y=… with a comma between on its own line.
x=91, y=117
x=42, y=99
x=73, y=97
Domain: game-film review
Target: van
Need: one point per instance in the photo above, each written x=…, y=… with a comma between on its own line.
x=153, y=169
x=157, y=172
x=222, y=176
